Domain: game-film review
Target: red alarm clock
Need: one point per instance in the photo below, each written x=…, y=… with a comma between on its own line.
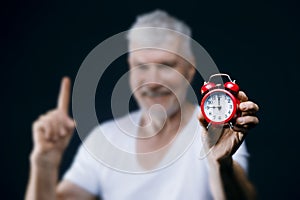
x=219, y=104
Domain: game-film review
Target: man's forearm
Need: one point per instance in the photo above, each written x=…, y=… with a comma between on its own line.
x=42, y=183
x=229, y=181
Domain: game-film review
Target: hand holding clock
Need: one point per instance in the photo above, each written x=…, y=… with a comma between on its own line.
x=221, y=140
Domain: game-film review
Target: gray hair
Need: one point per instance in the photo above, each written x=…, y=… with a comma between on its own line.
x=159, y=28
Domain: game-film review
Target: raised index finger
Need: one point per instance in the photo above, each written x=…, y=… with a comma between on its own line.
x=64, y=95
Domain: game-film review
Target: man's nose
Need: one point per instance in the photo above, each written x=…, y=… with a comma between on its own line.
x=153, y=77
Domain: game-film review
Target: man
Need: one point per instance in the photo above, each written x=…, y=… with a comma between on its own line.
x=159, y=80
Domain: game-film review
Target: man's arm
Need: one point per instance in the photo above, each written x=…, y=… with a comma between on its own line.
x=68, y=190
x=43, y=185
x=227, y=179
x=51, y=134
x=42, y=182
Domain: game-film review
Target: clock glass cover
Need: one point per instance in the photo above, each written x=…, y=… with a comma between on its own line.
x=219, y=107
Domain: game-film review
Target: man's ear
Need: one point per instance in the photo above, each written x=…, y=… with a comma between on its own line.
x=192, y=69
x=128, y=59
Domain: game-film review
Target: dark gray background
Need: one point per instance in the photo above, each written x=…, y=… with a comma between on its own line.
x=256, y=42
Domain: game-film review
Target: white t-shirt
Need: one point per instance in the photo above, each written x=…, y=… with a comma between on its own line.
x=102, y=168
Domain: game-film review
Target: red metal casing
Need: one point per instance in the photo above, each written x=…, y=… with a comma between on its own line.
x=206, y=87
x=232, y=87
x=235, y=101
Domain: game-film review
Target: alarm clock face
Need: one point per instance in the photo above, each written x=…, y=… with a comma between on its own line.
x=218, y=106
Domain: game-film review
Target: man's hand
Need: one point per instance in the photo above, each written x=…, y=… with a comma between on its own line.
x=221, y=142
x=227, y=178
x=53, y=130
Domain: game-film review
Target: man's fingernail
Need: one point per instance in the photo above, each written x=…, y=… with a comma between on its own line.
x=240, y=120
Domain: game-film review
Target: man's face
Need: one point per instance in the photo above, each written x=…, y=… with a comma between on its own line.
x=159, y=77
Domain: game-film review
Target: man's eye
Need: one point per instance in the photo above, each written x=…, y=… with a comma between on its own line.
x=168, y=65
x=143, y=67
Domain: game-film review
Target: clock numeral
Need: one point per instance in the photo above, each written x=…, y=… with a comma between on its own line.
x=230, y=106
x=226, y=116
x=219, y=117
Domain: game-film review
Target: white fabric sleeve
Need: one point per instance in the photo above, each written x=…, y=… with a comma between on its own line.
x=83, y=172
x=241, y=156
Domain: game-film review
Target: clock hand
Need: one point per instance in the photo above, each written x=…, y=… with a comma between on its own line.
x=211, y=107
x=219, y=107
